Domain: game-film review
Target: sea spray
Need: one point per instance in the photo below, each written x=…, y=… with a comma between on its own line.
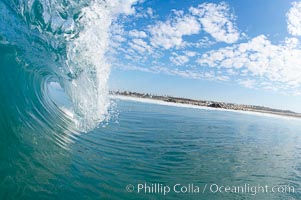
x=86, y=61
x=88, y=69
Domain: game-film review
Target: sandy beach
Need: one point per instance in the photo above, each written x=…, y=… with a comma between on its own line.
x=160, y=102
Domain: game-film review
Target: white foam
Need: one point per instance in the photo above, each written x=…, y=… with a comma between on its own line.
x=87, y=64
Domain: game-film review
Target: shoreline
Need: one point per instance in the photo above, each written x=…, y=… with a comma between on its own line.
x=187, y=105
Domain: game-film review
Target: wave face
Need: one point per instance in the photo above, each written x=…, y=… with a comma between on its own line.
x=56, y=47
x=53, y=85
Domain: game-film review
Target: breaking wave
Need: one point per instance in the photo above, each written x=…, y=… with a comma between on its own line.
x=53, y=61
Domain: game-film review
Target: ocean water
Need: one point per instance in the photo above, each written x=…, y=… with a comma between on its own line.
x=156, y=144
x=63, y=138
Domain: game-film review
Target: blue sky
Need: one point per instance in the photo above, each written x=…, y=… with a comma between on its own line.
x=235, y=51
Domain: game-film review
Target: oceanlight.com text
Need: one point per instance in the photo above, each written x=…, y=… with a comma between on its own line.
x=162, y=189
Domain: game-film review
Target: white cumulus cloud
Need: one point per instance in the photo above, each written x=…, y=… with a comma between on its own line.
x=217, y=20
x=137, y=34
x=260, y=58
x=179, y=59
x=170, y=33
x=294, y=19
x=122, y=6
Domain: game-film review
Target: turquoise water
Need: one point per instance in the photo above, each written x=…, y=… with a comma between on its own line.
x=53, y=91
x=158, y=144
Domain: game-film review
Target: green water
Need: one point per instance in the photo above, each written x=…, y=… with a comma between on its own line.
x=165, y=145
